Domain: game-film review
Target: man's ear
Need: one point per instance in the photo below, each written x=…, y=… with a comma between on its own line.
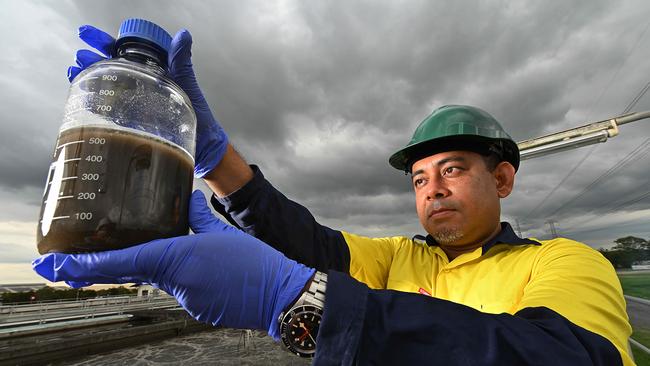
x=504, y=175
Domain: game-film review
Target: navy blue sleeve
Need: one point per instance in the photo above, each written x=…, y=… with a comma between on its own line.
x=260, y=210
x=384, y=327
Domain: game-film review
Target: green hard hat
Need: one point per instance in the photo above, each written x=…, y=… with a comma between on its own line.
x=457, y=127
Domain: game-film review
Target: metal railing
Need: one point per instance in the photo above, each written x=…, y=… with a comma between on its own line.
x=47, y=312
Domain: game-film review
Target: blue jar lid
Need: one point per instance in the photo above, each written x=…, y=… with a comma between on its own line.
x=144, y=30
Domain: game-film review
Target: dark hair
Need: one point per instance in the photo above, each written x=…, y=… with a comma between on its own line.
x=491, y=161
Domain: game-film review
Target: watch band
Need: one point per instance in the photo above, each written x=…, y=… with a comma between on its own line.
x=315, y=294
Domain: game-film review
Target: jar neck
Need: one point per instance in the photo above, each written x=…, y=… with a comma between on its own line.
x=145, y=55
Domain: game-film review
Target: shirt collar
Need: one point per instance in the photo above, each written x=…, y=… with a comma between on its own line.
x=505, y=236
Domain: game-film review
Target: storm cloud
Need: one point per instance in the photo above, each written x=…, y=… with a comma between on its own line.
x=320, y=94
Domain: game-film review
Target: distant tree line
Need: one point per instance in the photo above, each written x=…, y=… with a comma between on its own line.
x=627, y=251
x=49, y=293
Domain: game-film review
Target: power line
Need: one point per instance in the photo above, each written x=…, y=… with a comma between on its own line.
x=626, y=110
x=618, y=205
x=620, y=66
x=631, y=202
x=634, y=155
x=643, y=185
x=600, y=228
x=610, y=212
x=566, y=177
x=636, y=99
x=629, y=107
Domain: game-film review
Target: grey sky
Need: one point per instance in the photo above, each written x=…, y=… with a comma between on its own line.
x=319, y=94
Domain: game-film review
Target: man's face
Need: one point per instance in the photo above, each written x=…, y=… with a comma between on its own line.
x=457, y=197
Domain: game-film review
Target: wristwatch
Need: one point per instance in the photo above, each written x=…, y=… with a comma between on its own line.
x=299, y=325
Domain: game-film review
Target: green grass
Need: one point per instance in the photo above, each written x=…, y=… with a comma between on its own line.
x=636, y=284
x=641, y=358
x=642, y=336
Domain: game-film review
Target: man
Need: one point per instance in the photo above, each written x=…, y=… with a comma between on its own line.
x=470, y=292
x=461, y=163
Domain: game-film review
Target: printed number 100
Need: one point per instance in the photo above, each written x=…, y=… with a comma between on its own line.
x=83, y=215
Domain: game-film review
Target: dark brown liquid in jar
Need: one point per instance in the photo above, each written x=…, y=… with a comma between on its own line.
x=113, y=188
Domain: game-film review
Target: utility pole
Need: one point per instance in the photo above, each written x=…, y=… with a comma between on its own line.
x=518, y=228
x=552, y=223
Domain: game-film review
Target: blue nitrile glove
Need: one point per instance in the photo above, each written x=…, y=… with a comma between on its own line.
x=222, y=276
x=211, y=139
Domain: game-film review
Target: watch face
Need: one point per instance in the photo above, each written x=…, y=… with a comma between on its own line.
x=299, y=328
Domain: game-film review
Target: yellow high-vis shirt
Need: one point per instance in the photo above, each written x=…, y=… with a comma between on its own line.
x=563, y=275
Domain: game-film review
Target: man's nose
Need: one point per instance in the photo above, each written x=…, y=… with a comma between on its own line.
x=437, y=189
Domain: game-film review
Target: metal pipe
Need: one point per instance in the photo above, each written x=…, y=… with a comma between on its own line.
x=577, y=137
x=631, y=117
x=556, y=147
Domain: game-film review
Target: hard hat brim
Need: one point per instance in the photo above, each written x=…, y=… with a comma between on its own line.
x=404, y=158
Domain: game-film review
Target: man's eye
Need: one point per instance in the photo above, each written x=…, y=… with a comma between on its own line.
x=418, y=182
x=450, y=170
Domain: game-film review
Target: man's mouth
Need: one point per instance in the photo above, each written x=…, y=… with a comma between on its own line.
x=437, y=209
x=439, y=212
